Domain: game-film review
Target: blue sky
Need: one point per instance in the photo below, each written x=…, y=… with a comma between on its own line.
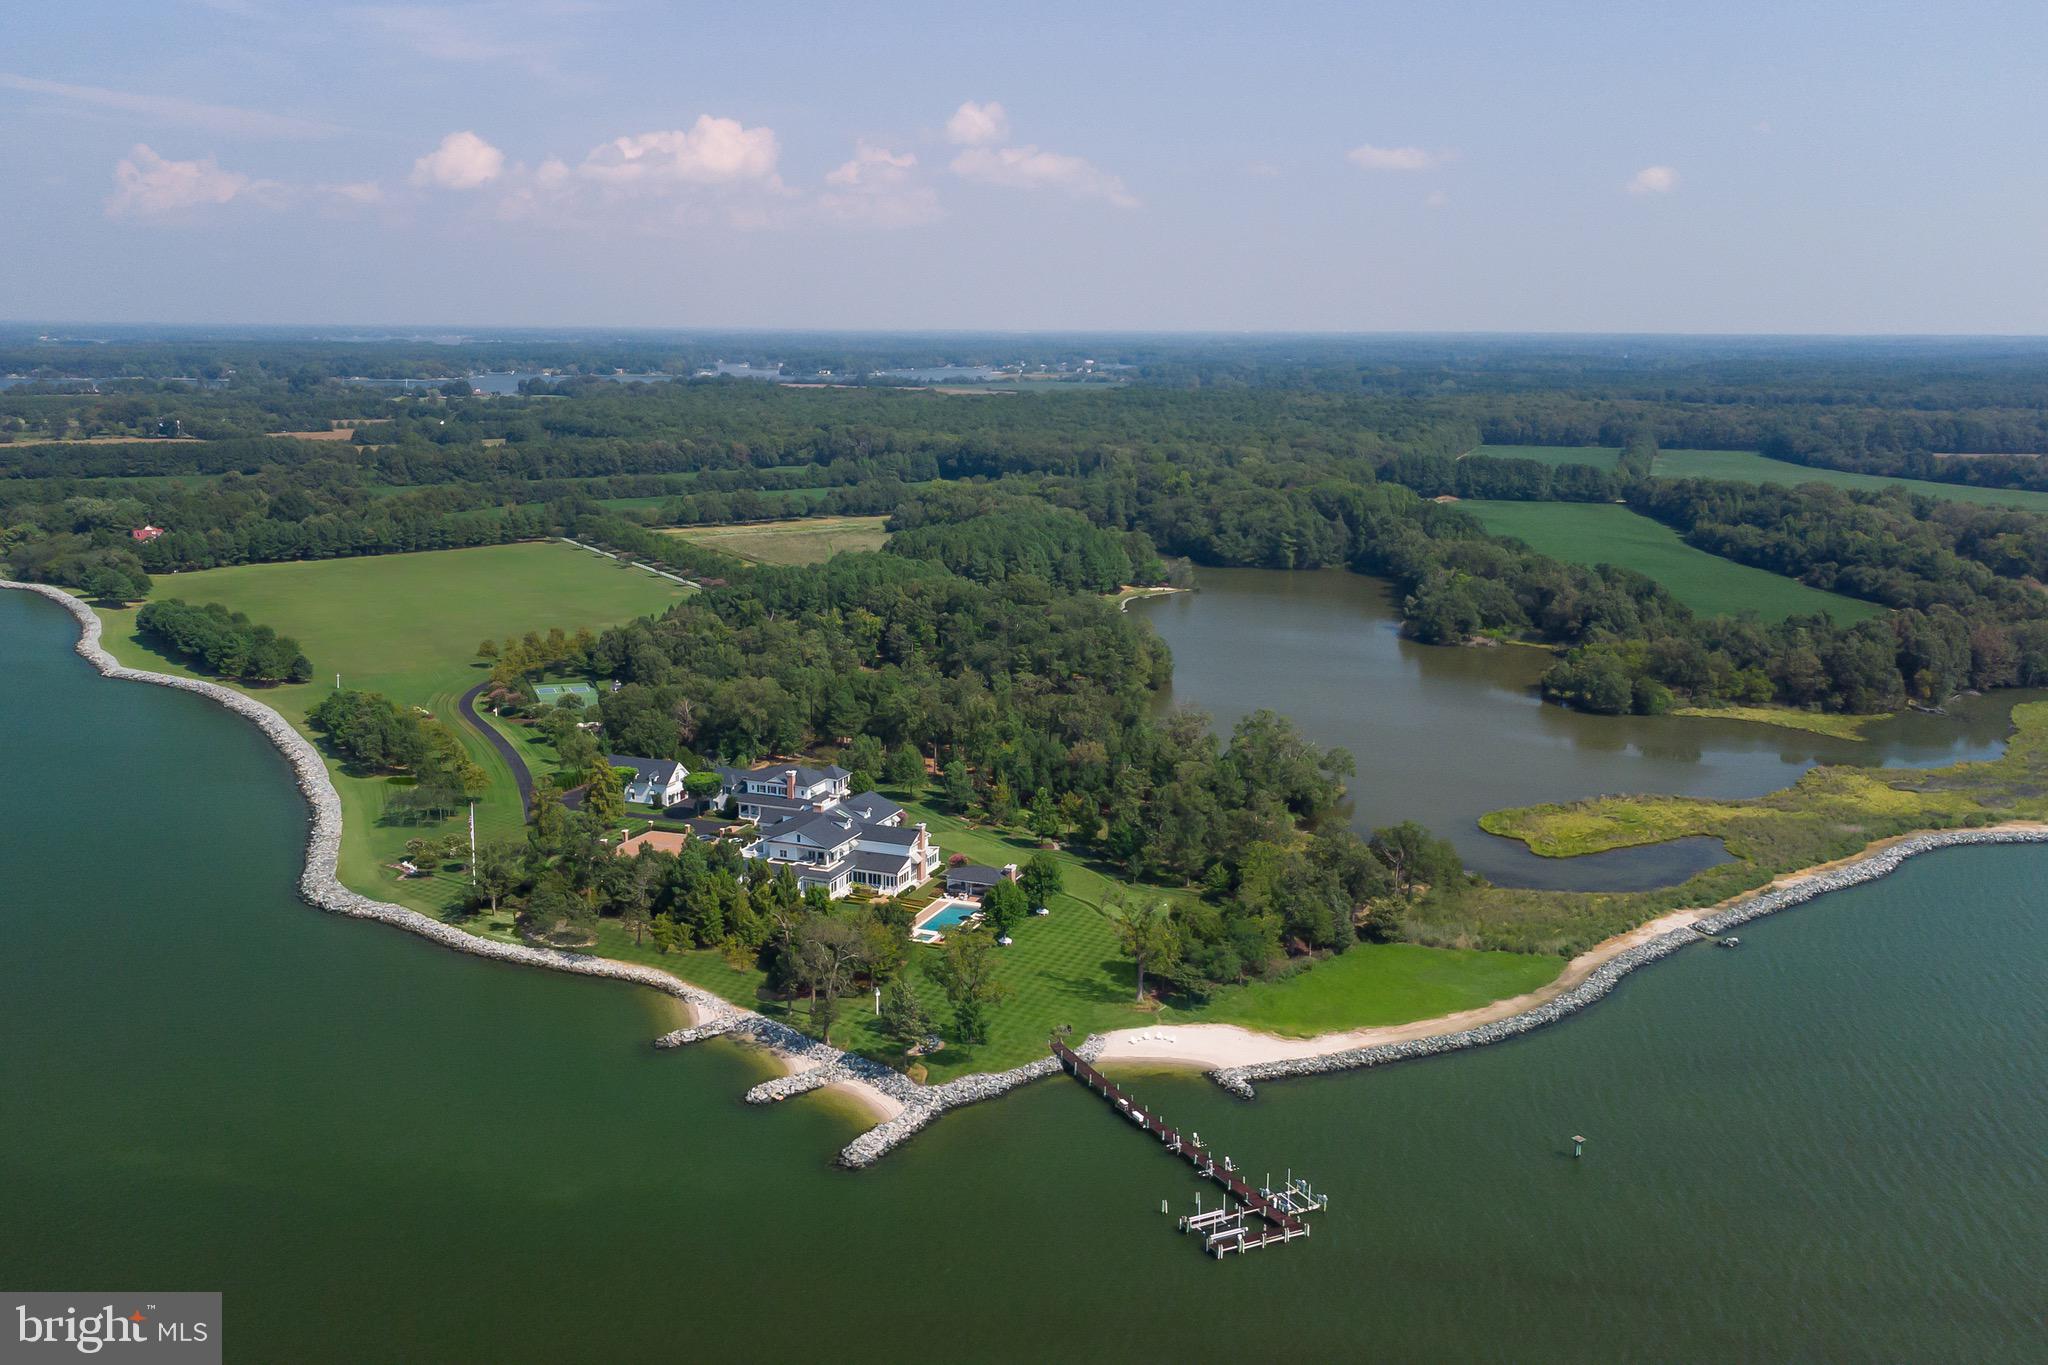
x=1733, y=167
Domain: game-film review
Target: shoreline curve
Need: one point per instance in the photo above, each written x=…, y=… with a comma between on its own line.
x=1233, y=1057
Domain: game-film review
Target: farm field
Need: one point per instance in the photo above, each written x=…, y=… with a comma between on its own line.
x=407, y=626
x=1604, y=533
x=807, y=540
x=1601, y=457
x=1746, y=466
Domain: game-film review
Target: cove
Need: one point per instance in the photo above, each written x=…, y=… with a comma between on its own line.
x=1444, y=735
x=1824, y=1144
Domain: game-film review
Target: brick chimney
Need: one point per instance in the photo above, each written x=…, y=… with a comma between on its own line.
x=790, y=778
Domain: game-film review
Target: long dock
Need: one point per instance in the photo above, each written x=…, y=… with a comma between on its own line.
x=1224, y=1229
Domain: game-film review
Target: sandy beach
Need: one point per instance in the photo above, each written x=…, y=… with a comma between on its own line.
x=872, y=1102
x=1212, y=1046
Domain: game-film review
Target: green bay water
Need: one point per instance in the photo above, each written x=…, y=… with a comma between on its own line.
x=1444, y=735
x=1826, y=1144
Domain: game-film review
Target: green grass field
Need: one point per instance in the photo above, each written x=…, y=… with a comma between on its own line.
x=1601, y=457
x=806, y=540
x=1605, y=533
x=1746, y=466
x=1380, y=983
x=408, y=626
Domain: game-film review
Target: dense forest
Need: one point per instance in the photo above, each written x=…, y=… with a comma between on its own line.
x=1087, y=490
x=1031, y=702
x=979, y=657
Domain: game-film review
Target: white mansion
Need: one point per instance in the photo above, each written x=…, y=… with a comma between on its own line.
x=807, y=822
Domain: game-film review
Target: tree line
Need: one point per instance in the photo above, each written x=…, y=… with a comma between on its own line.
x=225, y=642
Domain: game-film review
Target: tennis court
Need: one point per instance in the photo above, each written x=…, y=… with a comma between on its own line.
x=550, y=693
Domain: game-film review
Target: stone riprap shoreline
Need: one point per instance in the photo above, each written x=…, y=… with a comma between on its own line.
x=817, y=1065
x=1239, y=1079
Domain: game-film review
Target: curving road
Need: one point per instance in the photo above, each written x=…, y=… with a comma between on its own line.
x=504, y=746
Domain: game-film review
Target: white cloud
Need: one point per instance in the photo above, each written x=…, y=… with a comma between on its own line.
x=1367, y=157
x=1028, y=168
x=975, y=124
x=148, y=186
x=1435, y=199
x=463, y=161
x=872, y=165
x=172, y=110
x=879, y=187
x=712, y=151
x=1653, y=180
x=717, y=168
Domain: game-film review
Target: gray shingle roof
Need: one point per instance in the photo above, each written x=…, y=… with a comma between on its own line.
x=804, y=776
x=824, y=827
x=871, y=806
x=661, y=770
x=974, y=872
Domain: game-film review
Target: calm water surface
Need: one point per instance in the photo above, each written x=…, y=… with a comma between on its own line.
x=1444, y=735
x=1827, y=1144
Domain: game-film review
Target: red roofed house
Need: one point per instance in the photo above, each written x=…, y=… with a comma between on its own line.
x=145, y=533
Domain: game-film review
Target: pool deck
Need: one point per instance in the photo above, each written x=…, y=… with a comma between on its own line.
x=919, y=933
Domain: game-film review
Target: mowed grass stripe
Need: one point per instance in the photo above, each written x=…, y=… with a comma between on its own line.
x=408, y=626
x=1746, y=466
x=1606, y=533
x=806, y=540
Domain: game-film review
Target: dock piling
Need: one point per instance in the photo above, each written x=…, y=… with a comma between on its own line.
x=1223, y=1229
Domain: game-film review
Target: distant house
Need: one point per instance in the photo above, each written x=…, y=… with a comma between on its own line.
x=145, y=533
x=655, y=781
x=972, y=879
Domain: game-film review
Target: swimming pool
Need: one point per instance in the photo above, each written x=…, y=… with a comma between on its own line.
x=943, y=914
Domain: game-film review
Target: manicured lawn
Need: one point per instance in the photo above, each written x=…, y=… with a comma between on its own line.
x=408, y=626
x=1746, y=466
x=1380, y=983
x=807, y=540
x=1605, y=533
x=1601, y=457
x=1064, y=968
x=1067, y=968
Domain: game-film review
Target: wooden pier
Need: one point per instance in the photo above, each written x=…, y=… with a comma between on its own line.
x=1225, y=1229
